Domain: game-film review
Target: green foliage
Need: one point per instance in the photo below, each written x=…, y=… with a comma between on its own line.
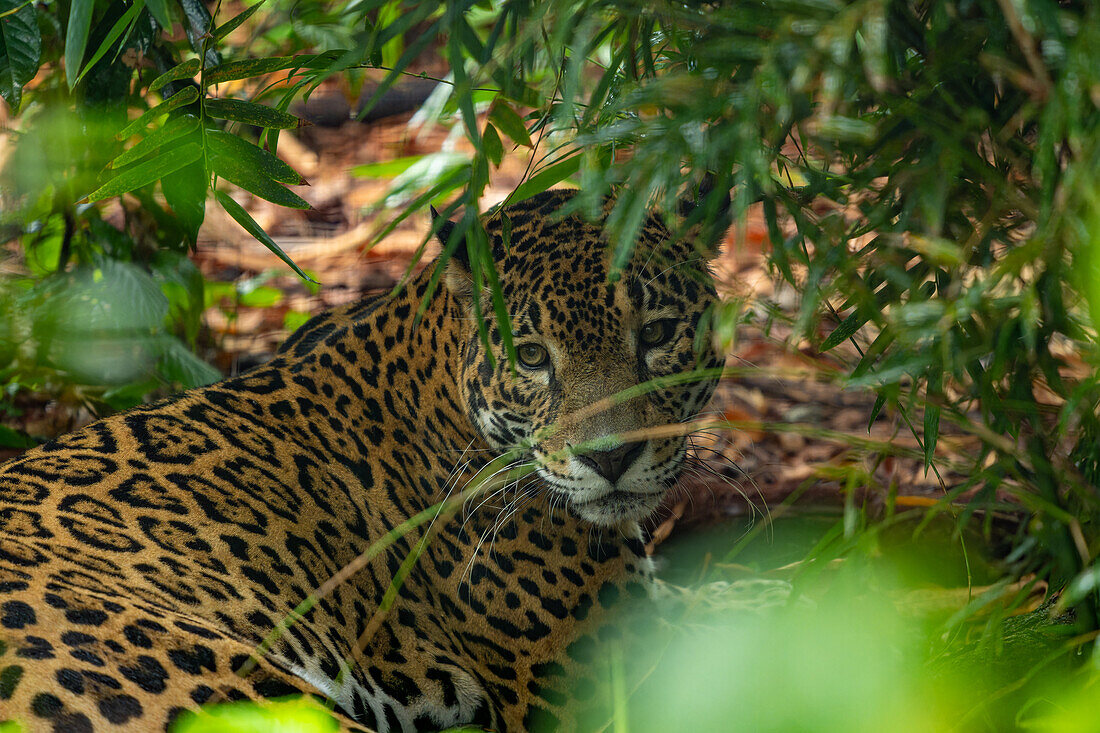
x=929, y=173
x=299, y=715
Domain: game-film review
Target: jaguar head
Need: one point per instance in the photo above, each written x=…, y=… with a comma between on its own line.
x=601, y=386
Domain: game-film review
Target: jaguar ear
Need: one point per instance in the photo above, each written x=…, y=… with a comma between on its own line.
x=705, y=212
x=457, y=276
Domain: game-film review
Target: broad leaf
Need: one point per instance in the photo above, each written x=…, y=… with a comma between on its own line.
x=179, y=365
x=185, y=191
x=20, y=49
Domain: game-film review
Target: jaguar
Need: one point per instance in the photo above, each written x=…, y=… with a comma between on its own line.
x=157, y=560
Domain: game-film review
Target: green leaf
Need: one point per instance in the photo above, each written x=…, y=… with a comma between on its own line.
x=251, y=178
x=228, y=145
x=187, y=95
x=293, y=320
x=173, y=130
x=299, y=715
x=159, y=9
x=177, y=364
x=510, y=123
x=232, y=70
x=386, y=168
x=546, y=178
x=20, y=49
x=248, y=68
x=880, y=402
x=117, y=29
x=494, y=148
x=249, y=224
x=233, y=23
x=76, y=37
x=250, y=113
x=11, y=438
x=261, y=296
x=186, y=70
x=185, y=191
x=845, y=330
x=145, y=173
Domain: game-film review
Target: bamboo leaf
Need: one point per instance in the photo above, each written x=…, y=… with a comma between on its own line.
x=494, y=148
x=123, y=23
x=248, y=68
x=186, y=70
x=228, y=145
x=546, y=178
x=76, y=37
x=173, y=130
x=385, y=169
x=233, y=23
x=250, y=113
x=252, y=179
x=148, y=172
x=510, y=123
x=249, y=224
x=187, y=95
x=845, y=330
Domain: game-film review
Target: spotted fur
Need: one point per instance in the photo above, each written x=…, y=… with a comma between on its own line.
x=143, y=558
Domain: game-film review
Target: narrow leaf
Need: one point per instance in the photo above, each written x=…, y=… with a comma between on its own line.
x=249, y=224
x=385, y=169
x=494, y=148
x=20, y=49
x=173, y=130
x=233, y=23
x=148, y=172
x=117, y=29
x=546, y=178
x=159, y=10
x=880, y=402
x=845, y=330
x=230, y=146
x=232, y=70
x=510, y=123
x=187, y=95
x=250, y=113
x=76, y=37
x=252, y=179
x=186, y=70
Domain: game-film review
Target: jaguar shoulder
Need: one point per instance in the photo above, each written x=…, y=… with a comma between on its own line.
x=144, y=558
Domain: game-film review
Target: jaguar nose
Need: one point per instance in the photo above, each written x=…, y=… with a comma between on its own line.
x=611, y=464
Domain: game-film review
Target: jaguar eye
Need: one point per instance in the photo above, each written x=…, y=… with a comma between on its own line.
x=532, y=356
x=656, y=333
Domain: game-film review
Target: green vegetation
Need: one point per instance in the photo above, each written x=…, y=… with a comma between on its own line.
x=929, y=174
